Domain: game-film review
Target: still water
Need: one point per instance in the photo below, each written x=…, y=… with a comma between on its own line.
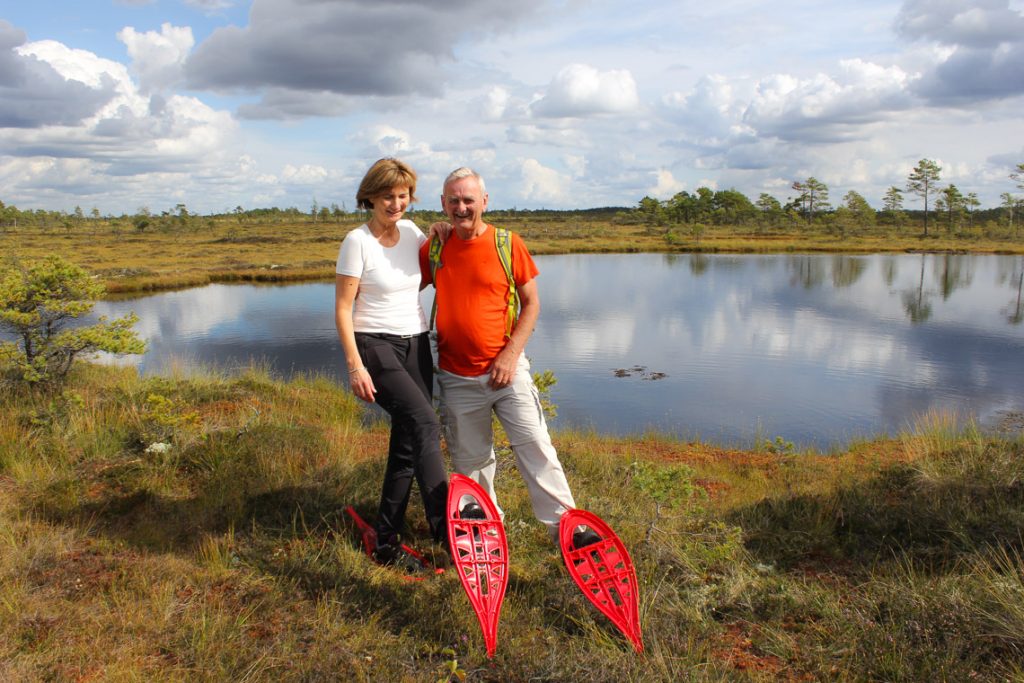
x=818, y=349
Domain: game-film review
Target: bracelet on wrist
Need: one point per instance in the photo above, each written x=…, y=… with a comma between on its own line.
x=355, y=370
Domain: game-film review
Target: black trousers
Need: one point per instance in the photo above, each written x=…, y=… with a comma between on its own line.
x=403, y=374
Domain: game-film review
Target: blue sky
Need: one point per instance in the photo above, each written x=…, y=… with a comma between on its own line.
x=122, y=104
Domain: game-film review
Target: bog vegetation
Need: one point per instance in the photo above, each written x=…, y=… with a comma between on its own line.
x=192, y=528
x=179, y=248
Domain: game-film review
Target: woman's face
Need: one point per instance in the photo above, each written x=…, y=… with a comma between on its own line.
x=390, y=206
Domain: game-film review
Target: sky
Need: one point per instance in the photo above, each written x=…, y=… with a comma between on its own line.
x=561, y=104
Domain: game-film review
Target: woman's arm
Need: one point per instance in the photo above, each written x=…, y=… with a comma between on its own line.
x=345, y=289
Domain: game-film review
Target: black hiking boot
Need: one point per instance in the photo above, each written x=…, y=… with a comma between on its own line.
x=584, y=537
x=472, y=511
x=394, y=555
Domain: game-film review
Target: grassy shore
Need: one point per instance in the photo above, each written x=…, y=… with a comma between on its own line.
x=173, y=528
x=224, y=250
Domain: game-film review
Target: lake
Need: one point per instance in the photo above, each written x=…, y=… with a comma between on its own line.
x=817, y=349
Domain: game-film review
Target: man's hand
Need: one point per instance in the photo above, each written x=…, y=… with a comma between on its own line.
x=503, y=369
x=441, y=230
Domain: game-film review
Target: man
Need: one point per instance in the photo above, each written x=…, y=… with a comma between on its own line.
x=482, y=364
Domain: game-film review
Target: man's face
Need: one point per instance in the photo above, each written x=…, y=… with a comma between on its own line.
x=464, y=205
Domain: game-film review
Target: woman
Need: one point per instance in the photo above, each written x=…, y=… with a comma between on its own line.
x=384, y=336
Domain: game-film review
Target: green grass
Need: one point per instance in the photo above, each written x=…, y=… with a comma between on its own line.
x=227, y=557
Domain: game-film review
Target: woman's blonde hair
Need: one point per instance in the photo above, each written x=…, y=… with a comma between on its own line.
x=382, y=176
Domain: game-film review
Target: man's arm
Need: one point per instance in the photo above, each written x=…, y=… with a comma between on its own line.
x=503, y=369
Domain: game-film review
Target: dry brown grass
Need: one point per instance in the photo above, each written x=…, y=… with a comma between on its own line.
x=225, y=251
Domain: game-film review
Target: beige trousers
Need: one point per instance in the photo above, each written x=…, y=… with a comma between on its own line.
x=466, y=407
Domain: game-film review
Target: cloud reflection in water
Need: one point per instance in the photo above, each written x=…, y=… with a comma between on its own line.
x=816, y=348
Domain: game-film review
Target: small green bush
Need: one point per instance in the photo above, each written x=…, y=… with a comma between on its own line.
x=37, y=301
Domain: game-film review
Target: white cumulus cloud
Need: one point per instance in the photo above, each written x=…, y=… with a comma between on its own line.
x=828, y=107
x=575, y=163
x=158, y=59
x=306, y=174
x=579, y=90
x=495, y=102
x=43, y=84
x=108, y=142
x=389, y=141
x=543, y=184
x=666, y=186
x=711, y=110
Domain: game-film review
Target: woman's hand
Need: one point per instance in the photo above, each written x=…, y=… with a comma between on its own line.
x=362, y=384
x=441, y=230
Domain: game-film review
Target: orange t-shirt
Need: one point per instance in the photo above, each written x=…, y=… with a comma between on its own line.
x=471, y=292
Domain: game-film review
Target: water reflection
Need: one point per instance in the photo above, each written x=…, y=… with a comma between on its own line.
x=953, y=272
x=917, y=306
x=699, y=263
x=816, y=348
x=1014, y=313
x=846, y=270
x=809, y=271
x=890, y=268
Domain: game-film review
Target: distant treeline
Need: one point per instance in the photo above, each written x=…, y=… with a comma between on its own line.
x=181, y=217
x=943, y=208
x=716, y=211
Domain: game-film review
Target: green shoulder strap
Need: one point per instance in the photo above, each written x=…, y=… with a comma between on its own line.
x=434, y=254
x=503, y=244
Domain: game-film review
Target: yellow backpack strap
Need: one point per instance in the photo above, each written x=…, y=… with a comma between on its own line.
x=503, y=243
x=434, y=255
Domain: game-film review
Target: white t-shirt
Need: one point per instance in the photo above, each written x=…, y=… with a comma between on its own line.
x=388, y=299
